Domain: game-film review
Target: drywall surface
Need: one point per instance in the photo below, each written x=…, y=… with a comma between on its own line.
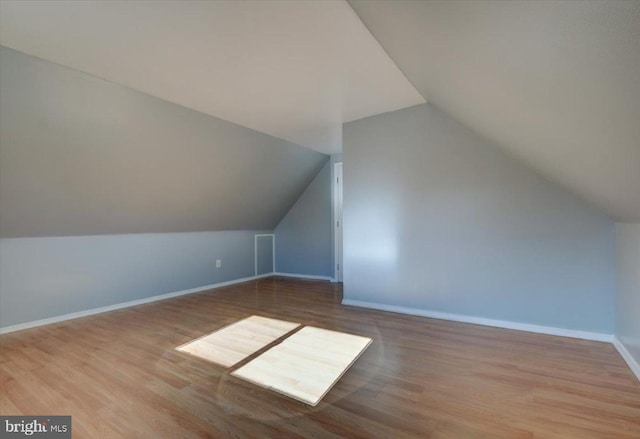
x=83, y=156
x=304, y=236
x=554, y=83
x=48, y=277
x=628, y=305
x=292, y=69
x=436, y=218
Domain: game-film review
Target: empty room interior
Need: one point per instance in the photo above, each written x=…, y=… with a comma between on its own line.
x=320, y=218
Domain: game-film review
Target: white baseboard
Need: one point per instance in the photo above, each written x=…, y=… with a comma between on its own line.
x=304, y=276
x=628, y=358
x=550, y=330
x=585, y=335
x=89, y=312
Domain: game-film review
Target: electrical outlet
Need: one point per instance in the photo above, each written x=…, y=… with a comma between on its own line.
x=218, y=263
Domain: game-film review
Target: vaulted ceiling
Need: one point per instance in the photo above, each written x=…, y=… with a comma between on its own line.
x=556, y=83
x=83, y=156
x=292, y=69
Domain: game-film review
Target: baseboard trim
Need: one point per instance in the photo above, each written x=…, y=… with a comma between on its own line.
x=627, y=357
x=100, y=310
x=305, y=276
x=550, y=330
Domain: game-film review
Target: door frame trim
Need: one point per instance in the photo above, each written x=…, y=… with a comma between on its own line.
x=338, y=275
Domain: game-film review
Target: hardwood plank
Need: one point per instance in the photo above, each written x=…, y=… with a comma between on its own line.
x=118, y=375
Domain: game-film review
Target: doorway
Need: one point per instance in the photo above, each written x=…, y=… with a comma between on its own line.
x=265, y=254
x=337, y=221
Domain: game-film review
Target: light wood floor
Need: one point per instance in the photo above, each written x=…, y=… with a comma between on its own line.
x=118, y=375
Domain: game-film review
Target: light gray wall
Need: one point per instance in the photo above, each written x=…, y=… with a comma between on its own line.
x=304, y=236
x=628, y=305
x=48, y=277
x=83, y=156
x=435, y=218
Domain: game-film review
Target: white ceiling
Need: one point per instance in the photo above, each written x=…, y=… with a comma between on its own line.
x=556, y=84
x=293, y=69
